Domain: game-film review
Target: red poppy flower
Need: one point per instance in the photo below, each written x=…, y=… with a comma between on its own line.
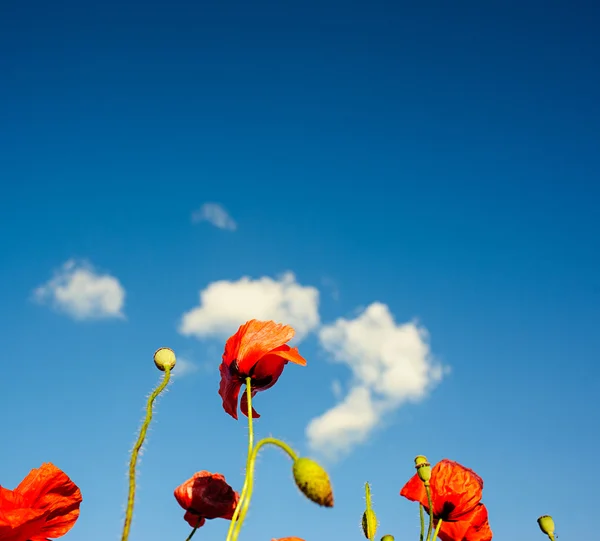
x=257, y=350
x=456, y=498
x=205, y=496
x=288, y=539
x=45, y=504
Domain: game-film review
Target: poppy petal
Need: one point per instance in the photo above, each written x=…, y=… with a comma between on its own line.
x=455, y=490
x=194, y=520
x=267, y=371
x=229, y=389
x=244, y=405
x=50, y=489
x=256, y=339
x=21, y=523
x=474, y=526
x=290, y=354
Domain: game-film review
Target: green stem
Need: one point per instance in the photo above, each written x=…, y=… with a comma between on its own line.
x=437, y=529
x=250, y=476
x=428, y=490
x=422, y=522
x=136, y=451
x=236, y=514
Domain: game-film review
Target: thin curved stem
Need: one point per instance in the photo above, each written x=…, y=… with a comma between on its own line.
x=250, y=476
x=422, y=522
x=236, y=514
x=136, y=451
x=194, y=530
x=429, y=528
x=437, y=529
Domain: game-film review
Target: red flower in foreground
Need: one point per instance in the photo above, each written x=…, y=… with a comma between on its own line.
x=206, y=495
x=288, y=539
x=257, y=350
x=456, y=498
x=45, y=504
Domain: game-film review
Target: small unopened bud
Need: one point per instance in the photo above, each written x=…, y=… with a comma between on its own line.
x=369, y=523
x=547, y=525
x=423, y=468
x=164, y=358
x=387, y=537
x=313, y=481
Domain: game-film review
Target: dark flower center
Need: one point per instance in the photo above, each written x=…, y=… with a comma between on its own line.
x=447, y=510
x=234, y=370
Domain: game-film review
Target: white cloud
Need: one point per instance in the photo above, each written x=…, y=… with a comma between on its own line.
x=216, y=215
x=225, y=305
x=80, y=292
x=391, y=365
x=184, y=367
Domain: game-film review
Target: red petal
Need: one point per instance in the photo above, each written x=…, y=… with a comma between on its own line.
x=229, y=389
x=50, y=489
x=244, y=405
x=414, y=490
x=455, y=490
x=290, y=354
x=192, y=520
x=267, y=370
x=255, y=339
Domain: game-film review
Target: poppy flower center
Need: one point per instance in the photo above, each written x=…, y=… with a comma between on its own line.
x=257, y=383
x=447, y=510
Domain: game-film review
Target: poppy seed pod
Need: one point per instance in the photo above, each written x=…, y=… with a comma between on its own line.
x=313, y=481
x=163, y=358
x=369, y=523
x=423, y=468
x=387, y=537
x=546, y=525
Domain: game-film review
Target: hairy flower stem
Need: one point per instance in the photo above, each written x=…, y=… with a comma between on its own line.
x=428, y=490
x=437, y=529
x=422, y=522
x=250, y=475
x=236, y=513
x=136, y=451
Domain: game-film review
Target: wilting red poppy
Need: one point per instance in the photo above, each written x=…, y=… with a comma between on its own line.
x=456, y=498
x=257, y=350
x=45, y=504
x=205, y=496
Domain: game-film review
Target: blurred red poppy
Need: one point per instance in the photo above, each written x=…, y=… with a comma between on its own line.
x=456, y=498
x=205, y=496
x=257, y=350
x=288, y=539
x=45, y=504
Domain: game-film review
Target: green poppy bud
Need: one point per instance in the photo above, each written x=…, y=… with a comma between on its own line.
x=423, y=468
x=387, y=537
x=369, y=523
x=547, y=525
x=313, y=481
x=163, y=358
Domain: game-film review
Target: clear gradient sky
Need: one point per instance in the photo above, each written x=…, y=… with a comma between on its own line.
x=439, y=159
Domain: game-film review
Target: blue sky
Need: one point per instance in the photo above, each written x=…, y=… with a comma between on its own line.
x=440, y=161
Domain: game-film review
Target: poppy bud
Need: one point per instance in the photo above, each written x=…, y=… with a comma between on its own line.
x=423, y=468
x=313, y=481
x=369, y=523
x=547, y=525
x=163, y=358
x=387, y=537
